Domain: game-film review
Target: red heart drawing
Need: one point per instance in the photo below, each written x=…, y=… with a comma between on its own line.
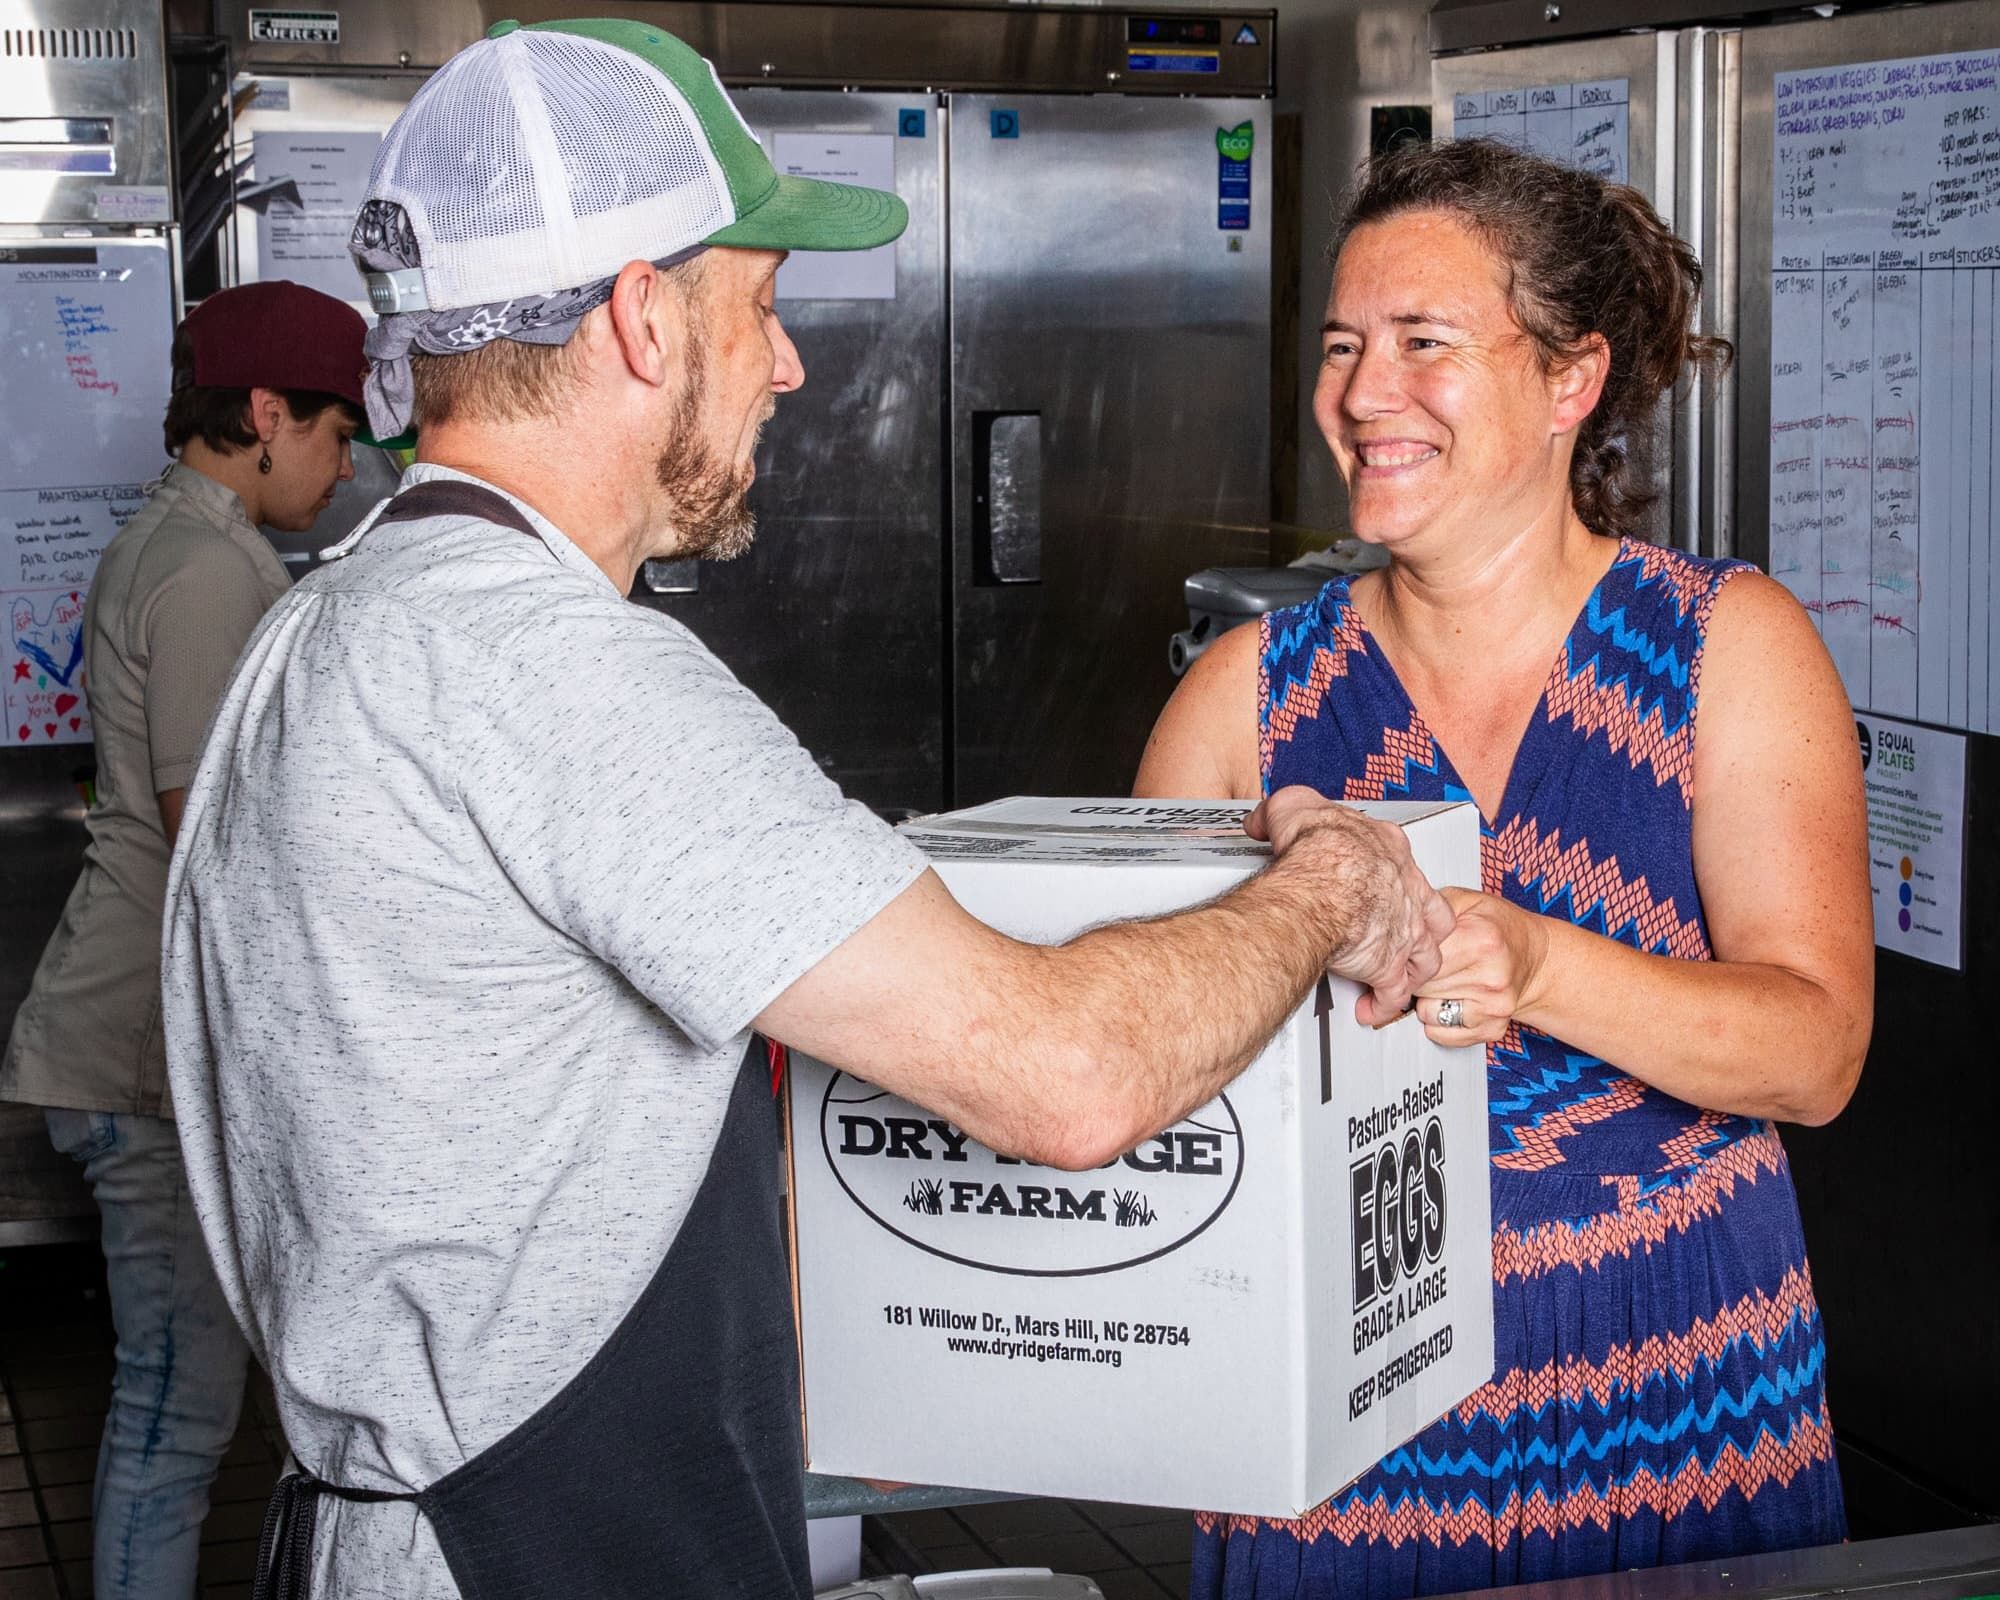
x=63, y=703
x=75, y=723
x=24, y=730
x=50, y=729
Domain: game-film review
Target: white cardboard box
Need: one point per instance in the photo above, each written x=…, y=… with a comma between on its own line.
x=1243, y=1314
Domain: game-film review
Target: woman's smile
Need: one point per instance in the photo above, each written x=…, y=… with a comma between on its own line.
x=1386, y=458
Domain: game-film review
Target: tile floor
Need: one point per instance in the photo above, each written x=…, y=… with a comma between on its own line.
x=55, y=1376
x=55, y=1380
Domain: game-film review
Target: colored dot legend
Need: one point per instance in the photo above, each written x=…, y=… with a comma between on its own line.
x=1906, y=869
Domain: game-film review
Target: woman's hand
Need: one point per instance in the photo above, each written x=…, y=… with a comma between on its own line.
x=1492, y=967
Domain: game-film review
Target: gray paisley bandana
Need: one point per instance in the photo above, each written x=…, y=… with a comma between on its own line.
x=384, y=242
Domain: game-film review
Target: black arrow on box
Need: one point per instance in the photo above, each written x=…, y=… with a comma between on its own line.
x=1323, y=1009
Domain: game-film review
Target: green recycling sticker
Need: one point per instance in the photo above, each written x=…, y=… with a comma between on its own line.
x=1232, y=193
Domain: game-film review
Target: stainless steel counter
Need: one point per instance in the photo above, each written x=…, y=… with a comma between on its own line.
x=42, y=840
x=1954, y=1565
x=850, y=1497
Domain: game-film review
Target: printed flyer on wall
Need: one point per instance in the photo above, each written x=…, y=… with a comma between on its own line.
x=1916, y=836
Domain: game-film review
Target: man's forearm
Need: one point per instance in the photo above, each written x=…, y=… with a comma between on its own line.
x=1128, y=1028
x=1069, y=1055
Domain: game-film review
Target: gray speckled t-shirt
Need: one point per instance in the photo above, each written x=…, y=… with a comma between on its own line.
x=484, y=874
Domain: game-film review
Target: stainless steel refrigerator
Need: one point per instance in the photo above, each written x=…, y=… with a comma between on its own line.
x=1838, y=171
x=1020, y=428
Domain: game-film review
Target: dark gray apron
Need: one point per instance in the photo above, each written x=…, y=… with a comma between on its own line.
x=671, y=1464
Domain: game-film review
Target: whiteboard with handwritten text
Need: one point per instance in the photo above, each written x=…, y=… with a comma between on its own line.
x=85, y=332
x=1884, y=427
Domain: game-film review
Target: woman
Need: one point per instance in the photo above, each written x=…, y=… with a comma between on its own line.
x=266, y=395
x=1673, y=944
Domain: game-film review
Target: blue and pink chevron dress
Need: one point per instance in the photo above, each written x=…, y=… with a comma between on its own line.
x=1659, y=1389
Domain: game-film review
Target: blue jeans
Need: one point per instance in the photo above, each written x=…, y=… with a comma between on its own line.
x=181, y=1358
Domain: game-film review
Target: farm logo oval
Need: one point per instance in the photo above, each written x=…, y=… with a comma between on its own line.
x=939, y=1189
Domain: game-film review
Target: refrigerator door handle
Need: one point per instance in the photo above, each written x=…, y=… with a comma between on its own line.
x=1006, y=497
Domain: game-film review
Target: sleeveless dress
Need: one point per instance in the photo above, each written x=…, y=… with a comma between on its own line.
x=1659, y=1387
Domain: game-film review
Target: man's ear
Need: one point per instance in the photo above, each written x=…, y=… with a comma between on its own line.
x=647, y=323
x=1576, y=385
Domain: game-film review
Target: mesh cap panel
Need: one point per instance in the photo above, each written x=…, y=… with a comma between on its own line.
x=611, y=161
x=538, y=161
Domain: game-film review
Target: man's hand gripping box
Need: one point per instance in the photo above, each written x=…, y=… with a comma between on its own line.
x=1243, y=1314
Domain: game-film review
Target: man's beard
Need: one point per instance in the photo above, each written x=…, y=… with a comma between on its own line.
x=707, y=509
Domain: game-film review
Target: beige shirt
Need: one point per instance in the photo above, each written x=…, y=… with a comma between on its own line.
x=177, y=593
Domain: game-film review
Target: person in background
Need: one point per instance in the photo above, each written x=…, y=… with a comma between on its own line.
x=1672, y=944
x=266, y=394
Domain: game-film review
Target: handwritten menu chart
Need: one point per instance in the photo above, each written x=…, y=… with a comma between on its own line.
x=1884, y=251
x=1585, y=125
x=84, y=337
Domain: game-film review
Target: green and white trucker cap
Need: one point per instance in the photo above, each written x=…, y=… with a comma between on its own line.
x=535, y=164
x=544, y=157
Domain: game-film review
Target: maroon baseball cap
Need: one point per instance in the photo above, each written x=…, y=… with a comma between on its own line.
x=279, y=335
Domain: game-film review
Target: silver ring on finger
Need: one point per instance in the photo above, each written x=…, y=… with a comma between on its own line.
x=1451, y=1013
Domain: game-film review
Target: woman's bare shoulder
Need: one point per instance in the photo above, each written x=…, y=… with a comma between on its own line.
x=1767, y=685
x=1755, y=625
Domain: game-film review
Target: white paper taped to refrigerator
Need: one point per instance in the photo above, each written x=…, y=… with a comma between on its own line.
x=308, y=187
x=85, y=330
x=1885, y=241
x=1585, y=125
x=865, y=159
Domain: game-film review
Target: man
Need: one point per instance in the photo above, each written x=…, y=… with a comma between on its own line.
x=487, y=873
x=266, y=395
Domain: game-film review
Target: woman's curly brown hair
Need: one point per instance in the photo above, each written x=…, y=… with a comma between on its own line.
x=1583, y=256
